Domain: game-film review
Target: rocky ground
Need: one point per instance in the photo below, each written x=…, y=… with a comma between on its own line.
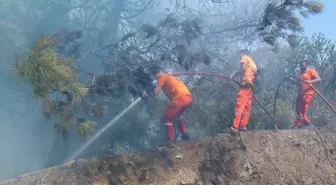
x=259, y=158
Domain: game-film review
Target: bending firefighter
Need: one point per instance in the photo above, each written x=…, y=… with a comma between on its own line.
x=305, y=94
x=180, y=99
x=247, y=73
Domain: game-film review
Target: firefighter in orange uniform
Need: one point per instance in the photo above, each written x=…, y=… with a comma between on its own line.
x=248, y=70
x=305, y=93
x=180, y=99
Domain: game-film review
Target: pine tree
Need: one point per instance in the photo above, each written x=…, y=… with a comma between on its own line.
x=49, y=73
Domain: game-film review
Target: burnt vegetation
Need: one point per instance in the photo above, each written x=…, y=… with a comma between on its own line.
x=167, y=42
x=185, y=39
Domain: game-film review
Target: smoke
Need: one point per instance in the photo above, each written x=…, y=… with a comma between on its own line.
x=25, y=137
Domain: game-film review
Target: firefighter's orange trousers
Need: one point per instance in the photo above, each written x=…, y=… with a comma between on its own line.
x=302, y=104
x=243, y=108
x=173, y=113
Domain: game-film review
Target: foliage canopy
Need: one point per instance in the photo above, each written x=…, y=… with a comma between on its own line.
x=50, y=74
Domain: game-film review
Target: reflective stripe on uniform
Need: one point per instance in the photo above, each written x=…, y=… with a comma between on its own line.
x=246, y=113
x=299, y=117
x=239, y=113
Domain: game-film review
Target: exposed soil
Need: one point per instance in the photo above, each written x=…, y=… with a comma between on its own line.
x=260, y=158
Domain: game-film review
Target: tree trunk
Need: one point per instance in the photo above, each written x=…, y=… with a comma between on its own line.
x=61, y=147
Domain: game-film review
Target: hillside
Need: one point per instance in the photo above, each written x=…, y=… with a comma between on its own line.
x=270, y=157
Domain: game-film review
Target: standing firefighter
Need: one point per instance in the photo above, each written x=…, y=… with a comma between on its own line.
x=247, y=73
x=305, y=93
x=180, y=99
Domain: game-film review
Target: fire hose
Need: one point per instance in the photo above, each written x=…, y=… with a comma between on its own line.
x=228, y=78
x=255, y=97
x=317, y=91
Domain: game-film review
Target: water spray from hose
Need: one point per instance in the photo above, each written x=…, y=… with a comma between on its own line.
x=204, y=74
x=102, y=130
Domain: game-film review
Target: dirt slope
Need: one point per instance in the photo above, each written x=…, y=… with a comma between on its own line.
x=282, y=157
